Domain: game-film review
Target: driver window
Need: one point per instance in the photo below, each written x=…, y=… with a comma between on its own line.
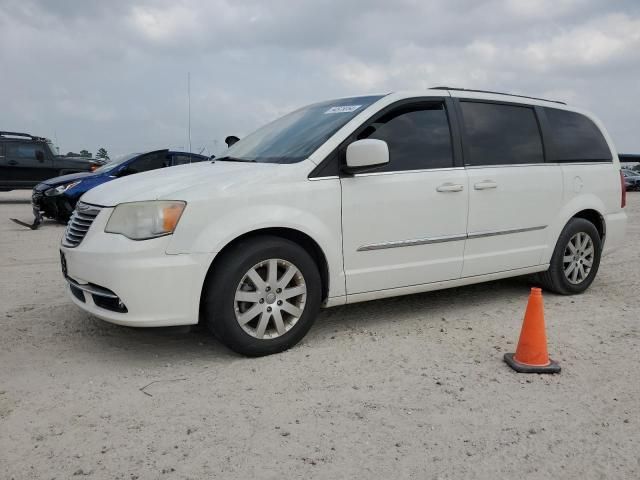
x=418, y=137
x=150, y=161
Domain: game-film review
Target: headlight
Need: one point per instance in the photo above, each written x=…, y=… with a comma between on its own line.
x=60, y=189
x=144, y=220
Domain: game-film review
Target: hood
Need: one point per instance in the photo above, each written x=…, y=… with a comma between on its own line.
x=78, y=160
x=55, y=181
x=180, y=183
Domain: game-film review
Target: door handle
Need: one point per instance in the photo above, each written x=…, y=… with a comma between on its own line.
x=449, y=187
x=12, y=162
x=485, y=185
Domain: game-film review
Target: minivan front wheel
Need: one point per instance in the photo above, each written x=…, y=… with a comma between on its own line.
x=270, y=298
x=575, y=260
x=262, y=296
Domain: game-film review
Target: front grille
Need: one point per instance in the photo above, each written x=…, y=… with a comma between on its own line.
x=79, y=223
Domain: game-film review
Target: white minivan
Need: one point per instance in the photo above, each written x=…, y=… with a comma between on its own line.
x=350, y=200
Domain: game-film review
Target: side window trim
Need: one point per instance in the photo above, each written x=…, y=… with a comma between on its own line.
x=330, y=166
x=456, y=131
x=545, y=132
x=464, y=141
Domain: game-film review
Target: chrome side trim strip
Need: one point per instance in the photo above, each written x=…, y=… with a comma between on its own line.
x=411, y=243
x=448, y=238
x=93, y=290
x=330, y=177
x=504, y=232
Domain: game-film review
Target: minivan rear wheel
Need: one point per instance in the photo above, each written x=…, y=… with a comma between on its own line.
x=575, y=260
x=262, y=296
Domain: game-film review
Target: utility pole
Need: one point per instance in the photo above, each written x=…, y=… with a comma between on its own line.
x=189, y=101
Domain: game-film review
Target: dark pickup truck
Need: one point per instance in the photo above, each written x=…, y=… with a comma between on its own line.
x=26, y=160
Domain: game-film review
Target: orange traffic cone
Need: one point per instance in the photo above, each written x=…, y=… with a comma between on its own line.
x=531, y=355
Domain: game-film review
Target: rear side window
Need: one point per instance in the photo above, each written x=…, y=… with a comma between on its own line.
x=498, y=134
x=575, y=138
x=418, y=137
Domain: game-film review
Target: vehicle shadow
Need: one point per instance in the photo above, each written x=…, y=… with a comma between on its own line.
x=25, y=222
x=14, y=201
x=449, y=303
x=194, y=344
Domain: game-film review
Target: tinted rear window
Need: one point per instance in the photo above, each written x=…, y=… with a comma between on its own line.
x=575, y=138
x=498, y=134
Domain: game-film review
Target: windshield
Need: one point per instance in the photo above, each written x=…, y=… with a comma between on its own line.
x=115, y=162
x=52, y=148
x=295, y=136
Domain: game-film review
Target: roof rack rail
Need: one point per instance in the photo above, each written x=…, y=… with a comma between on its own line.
x=18, y=134
x=496, y=93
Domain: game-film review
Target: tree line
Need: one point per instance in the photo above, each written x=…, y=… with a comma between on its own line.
x=100, y=154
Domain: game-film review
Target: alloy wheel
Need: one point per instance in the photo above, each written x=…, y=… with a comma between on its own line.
x=578, y=258
x=270, y=298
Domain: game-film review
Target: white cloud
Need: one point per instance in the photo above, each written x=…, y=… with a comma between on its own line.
x=596, y=44
x=541, y=9
x=114, y=73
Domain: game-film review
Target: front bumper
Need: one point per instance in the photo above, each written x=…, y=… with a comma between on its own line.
x=156, y=289
x=57, y=207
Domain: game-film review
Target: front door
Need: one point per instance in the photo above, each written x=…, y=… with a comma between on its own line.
x=513, y=193
x=404, y=223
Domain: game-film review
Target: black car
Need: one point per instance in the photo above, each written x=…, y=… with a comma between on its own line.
x=57, y=197
x=26, y=160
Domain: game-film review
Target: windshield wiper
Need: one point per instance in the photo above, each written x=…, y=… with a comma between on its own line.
x=233, y=159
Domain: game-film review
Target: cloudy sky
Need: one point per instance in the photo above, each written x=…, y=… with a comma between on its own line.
x=93, y=73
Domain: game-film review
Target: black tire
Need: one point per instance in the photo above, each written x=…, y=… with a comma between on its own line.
x=555, y=279
x=219, y=304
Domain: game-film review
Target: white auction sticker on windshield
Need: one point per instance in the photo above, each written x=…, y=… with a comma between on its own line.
x=343, y=109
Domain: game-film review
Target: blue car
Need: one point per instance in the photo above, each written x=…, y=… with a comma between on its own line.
x=57, y=197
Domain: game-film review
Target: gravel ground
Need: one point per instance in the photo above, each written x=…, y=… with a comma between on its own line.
x=411, y=387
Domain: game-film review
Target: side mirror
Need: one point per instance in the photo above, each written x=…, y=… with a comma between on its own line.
x=366, y=153
x=39, y=156
x=124, y=172
x=230, y=140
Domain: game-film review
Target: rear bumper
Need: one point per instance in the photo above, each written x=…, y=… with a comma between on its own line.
x=155, y=289
x=616, y=225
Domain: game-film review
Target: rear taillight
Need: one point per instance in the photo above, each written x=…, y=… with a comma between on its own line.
x=623, y=191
